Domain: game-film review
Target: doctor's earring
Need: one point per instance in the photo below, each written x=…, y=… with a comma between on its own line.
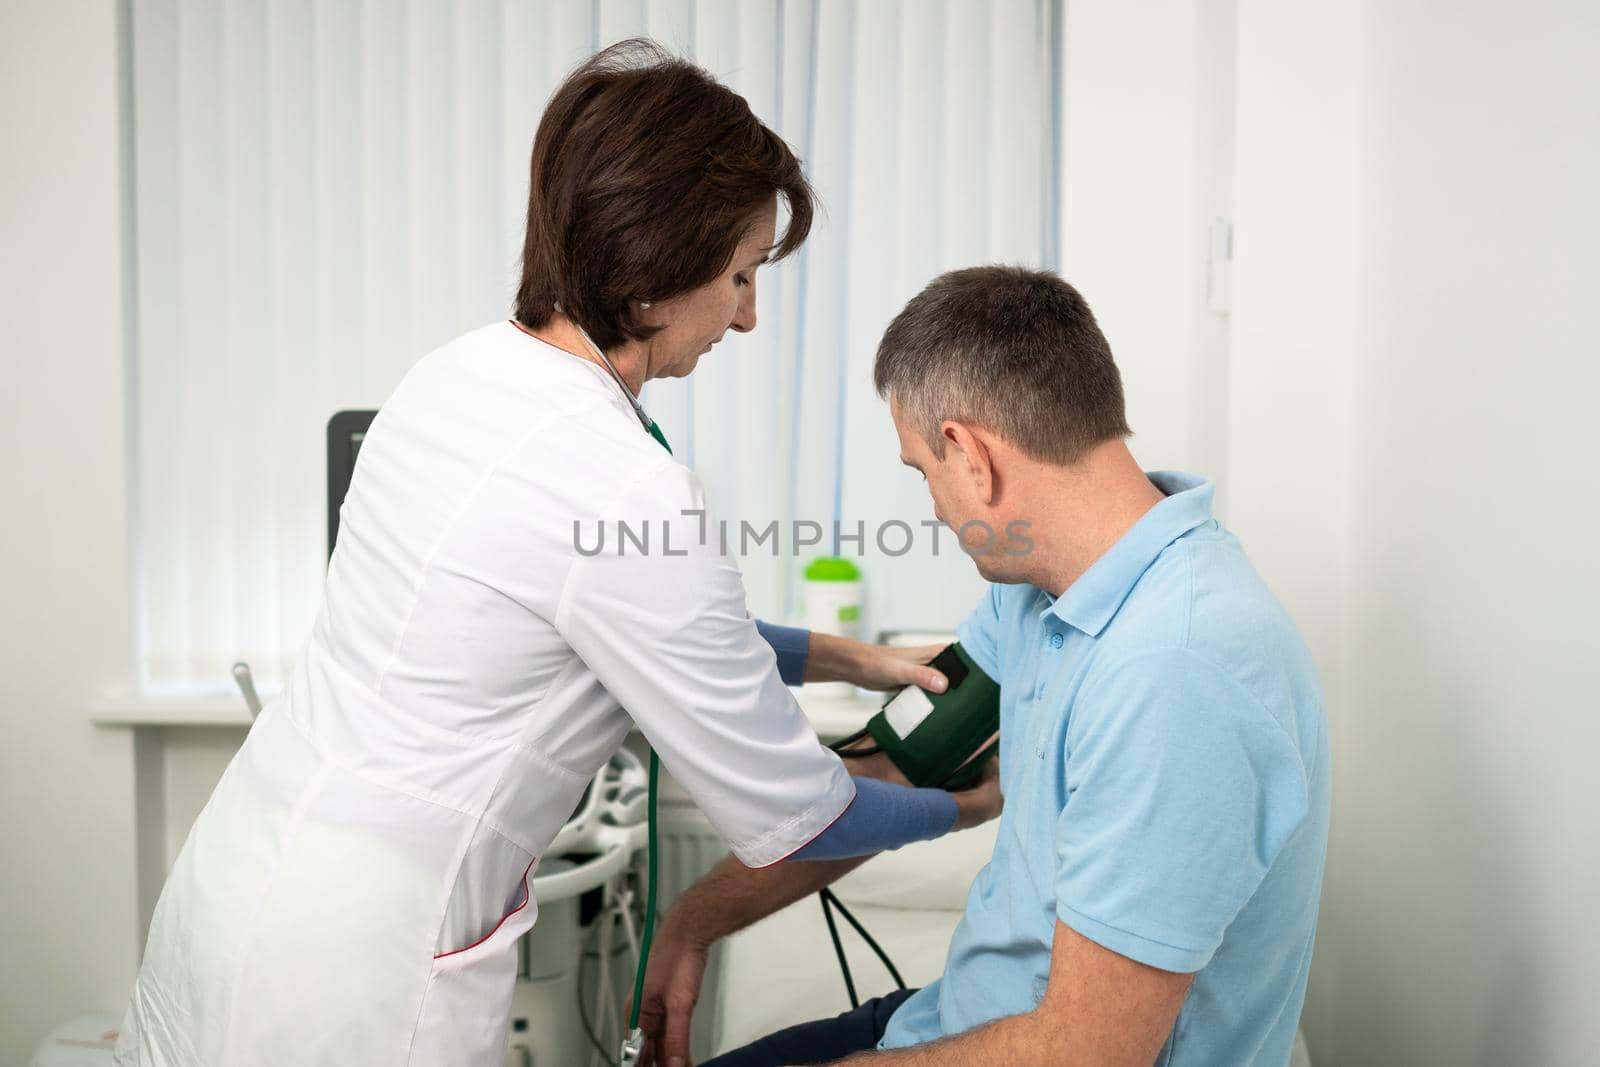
x=643, y=304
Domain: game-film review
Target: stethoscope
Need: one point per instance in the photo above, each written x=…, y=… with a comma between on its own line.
x=645, y=420
x=633, y=1044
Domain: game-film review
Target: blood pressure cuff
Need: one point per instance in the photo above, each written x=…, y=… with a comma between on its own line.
x=942, y=739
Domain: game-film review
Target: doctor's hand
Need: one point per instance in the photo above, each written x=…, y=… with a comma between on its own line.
x=880, y=667
x=671, y=990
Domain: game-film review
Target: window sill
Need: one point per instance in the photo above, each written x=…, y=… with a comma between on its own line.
x=219, y=709
x=830, y=718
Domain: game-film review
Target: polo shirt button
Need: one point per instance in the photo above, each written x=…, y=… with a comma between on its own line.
x=1056, y=640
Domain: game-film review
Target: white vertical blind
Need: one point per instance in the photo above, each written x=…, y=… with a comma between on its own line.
x=324, y=191
x=930, y=140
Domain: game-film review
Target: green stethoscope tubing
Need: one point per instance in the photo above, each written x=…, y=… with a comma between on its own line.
x=650, y=882
x=648, y=933
x=650, y=901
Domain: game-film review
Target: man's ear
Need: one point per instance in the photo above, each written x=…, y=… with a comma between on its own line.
x=975, y=453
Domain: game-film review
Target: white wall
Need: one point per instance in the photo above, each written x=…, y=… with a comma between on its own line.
x=1469, y=832
x=1416, y=323
x=1145, y=156
x=67, y=909
x=1402, y=442
x=1297, y=248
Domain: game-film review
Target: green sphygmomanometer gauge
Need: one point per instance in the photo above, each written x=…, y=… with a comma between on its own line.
x=942, y=739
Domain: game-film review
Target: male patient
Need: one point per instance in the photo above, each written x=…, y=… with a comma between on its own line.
x=1152, y=896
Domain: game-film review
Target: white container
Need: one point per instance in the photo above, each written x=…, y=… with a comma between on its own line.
x=832, y=599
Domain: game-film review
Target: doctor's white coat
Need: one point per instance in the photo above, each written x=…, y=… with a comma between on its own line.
x=353, y=891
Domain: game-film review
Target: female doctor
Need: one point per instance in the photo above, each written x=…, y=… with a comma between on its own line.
x=355, y=887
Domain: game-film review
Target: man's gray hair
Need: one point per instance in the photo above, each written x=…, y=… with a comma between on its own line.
x=1014, y=351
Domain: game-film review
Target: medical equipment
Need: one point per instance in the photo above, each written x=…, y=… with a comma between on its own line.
x=594, y=850
x=938, y=739
x=609, y=824
x=830, y=904
x=633, y=1044
x=346, y=431
x=934, y=739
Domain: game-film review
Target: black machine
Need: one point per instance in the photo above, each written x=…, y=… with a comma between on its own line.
x=346, y=431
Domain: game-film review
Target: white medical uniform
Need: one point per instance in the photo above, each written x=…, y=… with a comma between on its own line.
x=354, y=889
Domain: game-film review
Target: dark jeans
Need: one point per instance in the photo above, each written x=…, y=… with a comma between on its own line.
x=822, y=1041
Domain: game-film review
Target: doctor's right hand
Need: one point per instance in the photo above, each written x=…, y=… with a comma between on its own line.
x=671, y=990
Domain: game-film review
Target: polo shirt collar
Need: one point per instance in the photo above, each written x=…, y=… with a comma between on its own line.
x=1091, y=601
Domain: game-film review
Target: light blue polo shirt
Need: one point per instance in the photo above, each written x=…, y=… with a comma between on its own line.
x=1164, y=758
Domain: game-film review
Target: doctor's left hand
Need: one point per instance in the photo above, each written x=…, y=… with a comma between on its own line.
x=880, y=667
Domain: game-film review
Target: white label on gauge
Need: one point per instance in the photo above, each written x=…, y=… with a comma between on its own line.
x=906, y=711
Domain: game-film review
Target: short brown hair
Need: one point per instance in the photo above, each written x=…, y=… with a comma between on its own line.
x=1012, y=350
x=646, y=174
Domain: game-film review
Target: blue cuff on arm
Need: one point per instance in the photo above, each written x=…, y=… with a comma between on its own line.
x=791, y=643
x=883, y=816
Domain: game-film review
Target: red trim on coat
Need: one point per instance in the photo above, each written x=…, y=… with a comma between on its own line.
x=527, y=895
